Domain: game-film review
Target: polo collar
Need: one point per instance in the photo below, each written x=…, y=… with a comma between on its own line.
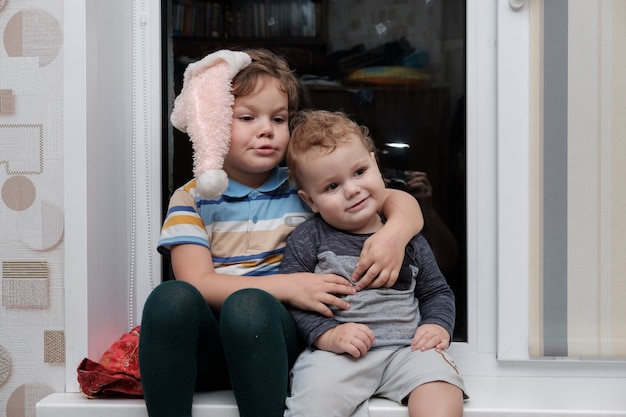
x=276, y=180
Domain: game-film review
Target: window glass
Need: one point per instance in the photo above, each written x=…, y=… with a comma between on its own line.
x=395, y=66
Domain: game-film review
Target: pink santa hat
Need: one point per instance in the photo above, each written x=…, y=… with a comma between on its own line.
x=204, y=110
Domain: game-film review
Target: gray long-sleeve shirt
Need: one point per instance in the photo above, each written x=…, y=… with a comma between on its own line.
x=420, y=295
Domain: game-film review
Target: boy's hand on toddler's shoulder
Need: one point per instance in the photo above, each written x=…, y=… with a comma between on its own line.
x=315, y=292
x=352, y=338
x=428, y=336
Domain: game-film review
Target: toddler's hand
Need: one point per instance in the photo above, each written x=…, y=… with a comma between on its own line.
x=351, y=338
x=428, y=336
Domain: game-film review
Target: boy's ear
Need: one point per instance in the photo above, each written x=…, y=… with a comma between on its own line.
x=304, y=196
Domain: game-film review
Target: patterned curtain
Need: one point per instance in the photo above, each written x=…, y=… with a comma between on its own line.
x=578, y=179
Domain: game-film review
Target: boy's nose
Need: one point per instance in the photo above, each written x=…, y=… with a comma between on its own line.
x=266, y=130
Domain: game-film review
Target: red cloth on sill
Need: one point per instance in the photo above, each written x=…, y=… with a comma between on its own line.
x=117, y=372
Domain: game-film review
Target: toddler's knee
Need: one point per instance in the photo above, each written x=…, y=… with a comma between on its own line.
x=320, y=403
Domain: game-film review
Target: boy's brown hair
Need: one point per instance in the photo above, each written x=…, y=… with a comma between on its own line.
x=321, y=131
x=266, y=63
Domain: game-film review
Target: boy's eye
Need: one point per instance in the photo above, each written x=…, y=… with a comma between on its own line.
x=245, y=118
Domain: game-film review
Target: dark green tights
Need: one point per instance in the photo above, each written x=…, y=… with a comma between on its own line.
x=184, y=348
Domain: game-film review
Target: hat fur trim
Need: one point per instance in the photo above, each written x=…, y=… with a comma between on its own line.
x=204, y=110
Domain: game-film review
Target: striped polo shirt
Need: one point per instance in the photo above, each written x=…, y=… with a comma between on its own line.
x=245, y=229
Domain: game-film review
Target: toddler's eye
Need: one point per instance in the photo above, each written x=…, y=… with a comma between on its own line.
x=279, y=120
x=245, y=118
x=331, y=187
x=359, y=172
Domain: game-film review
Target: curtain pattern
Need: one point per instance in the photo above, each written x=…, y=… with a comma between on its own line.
x=578, y=179
x=32, y=206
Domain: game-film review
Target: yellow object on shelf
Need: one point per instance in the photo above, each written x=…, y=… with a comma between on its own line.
x=389, y=75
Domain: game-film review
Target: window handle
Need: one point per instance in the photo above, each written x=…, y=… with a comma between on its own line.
x=516, y=4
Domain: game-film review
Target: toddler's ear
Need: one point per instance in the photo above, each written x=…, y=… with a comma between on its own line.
x=307, y=199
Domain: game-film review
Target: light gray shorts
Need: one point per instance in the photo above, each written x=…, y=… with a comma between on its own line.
x=325, y=384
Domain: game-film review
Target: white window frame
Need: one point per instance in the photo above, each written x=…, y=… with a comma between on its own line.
x=512, y=144
x=112, y=112
x=498, y=117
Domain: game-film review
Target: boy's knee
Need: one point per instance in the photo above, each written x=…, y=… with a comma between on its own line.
x=249, y=311
x=172, y=300
x=249, y=302
x=250, y=295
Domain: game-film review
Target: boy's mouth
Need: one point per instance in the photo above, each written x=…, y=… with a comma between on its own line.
x=265, y=150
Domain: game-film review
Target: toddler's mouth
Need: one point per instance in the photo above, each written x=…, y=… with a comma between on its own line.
x=358, y=205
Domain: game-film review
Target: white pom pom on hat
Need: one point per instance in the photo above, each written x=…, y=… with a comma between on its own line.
x=204, y=110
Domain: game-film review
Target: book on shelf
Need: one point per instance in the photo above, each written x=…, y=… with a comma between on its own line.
x=197, y=18
x=241, y=18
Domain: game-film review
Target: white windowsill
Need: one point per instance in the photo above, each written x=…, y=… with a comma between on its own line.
x=490, y=396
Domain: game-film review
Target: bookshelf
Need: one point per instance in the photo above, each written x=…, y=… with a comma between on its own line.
x=247, y=19
x=294, y=29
